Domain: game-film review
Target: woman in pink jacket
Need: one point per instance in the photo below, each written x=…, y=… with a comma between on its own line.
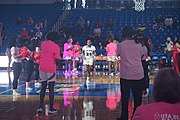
x=166, y=94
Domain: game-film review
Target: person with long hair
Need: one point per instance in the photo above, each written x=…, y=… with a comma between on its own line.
x=166, y=96
x=131, y=70
x=16, y=66
x=50, y=52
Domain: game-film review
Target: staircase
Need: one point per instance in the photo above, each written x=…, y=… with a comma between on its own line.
x=59, y=23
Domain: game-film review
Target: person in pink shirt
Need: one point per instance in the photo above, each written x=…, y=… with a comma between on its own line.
x=131, y=70
x=68, y=54
x=50, y=52
x=77, y=49
x=166, y=95
x=111, y=55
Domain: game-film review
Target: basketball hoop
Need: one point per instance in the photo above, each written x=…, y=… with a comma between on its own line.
x=139, y=5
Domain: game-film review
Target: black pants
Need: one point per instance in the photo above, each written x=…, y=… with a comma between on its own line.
x=169, y=56
x=126, y=86
x=17, y=67
x=29, y=67
x=36, y=71
x=146, y=76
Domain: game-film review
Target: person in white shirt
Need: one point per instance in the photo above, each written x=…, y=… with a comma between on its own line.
x=17, y=67
x=88, y=55
x=168, y=49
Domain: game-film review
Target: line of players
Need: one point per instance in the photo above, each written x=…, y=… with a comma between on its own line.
x=29, y=59
x=88, y=54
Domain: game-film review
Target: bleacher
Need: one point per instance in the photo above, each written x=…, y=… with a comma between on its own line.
x=128, y=17
x=39, y=12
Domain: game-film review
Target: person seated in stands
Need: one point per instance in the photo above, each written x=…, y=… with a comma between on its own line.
x=88, y=28
x=154, y=26
x=39, y=34
x=110, y=35
x=30, y=21
x=97, y=31
x=168, y=22
x=19, y=21
x=31, y=33
x=24, y=34
x=39, y=25
x=166, y=95
x=45, y=23
x=110, y=24
x=159, y=20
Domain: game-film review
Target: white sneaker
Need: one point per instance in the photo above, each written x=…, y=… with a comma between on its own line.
x=111, y=74
x=15, y=93
x=37, y=84
x=146, y=93
x=29, y=89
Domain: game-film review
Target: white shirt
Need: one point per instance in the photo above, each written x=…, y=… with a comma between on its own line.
x=15, y=50
x=89, y=51
x=169, y=46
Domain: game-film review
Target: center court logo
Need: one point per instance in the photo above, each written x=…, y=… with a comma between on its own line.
x=162, y=116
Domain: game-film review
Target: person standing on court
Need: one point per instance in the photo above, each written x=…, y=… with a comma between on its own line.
x=131, y=70
x=50, y=52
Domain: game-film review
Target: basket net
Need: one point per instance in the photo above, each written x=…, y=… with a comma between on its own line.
x=139, y=5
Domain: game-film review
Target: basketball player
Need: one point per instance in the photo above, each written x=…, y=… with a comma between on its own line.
x=111, y=55
x=76, y=54
x=16, y=66
x=88, y=55
x=50, y=52
x=68, y=55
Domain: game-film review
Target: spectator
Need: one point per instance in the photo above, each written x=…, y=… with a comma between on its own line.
x=166, y=95
x=110, y=35
x=72, y=4
x=155, y=26
x=24, y=34
x=159, y=20
x=169, y=46
x=97, y=31
x=45, y=23
x=19, y=21
x=88, y=28
x=31, y=33
x=80, y=24
x=30, y=21
x=100, y=24
x=39, y=34
x=169, y=22
x=110, y=24
x=39, y=25
x=132, y=73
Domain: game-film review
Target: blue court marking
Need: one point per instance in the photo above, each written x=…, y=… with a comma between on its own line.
x=68, y=89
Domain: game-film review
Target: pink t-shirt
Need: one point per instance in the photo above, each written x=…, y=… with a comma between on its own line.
x=76, y=50
x=49, y=53
x=131, y=55
x=111, y=49
x=68, y=53
x=158, y=111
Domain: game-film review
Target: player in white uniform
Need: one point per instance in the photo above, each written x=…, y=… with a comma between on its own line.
x=88, y=55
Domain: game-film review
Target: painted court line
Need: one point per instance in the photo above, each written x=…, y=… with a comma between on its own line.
x=11, y=89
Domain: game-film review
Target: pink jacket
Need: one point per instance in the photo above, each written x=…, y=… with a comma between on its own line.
x=158, y=111
x=68, y=53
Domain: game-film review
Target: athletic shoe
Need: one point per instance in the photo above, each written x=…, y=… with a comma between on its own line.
x=111, y=74
x=146, y=93
x=52, y=110
x=29, y=89
x=39, y=110
x=15, y=93
x=37, y=84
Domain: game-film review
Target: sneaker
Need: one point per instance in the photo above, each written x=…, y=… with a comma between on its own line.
x=39, y=110
x=28, y=89
x=15, y=93
x=52, y=110
x=37, y=84
x=111, y=74
x=146, y=93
